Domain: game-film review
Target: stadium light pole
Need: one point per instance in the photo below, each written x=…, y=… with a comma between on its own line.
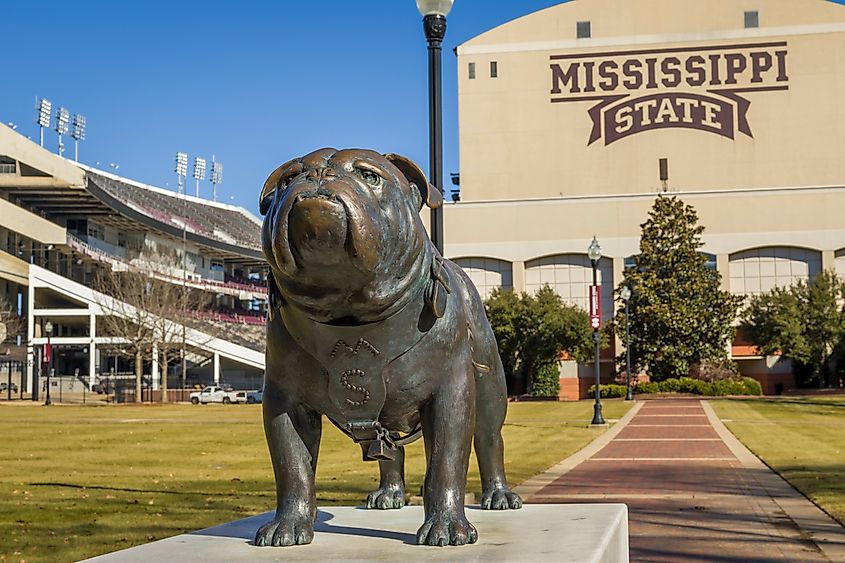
x=78, y=134
x=62, y=121
x=45, y=110
x=48, y=328
x=434, y=14
x=594, y=253
x=625, y=293
x=199, y=172
x=216, y=177
x=182, y=172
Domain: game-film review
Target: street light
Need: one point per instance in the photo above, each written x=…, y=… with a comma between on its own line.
x=625, y=293
x=594, y=253
x=434, y=14
x=48, y=328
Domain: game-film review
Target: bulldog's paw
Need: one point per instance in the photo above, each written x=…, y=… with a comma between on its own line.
x=288, y=529
x=385, y=498
x=500, y=498
x=446, y=528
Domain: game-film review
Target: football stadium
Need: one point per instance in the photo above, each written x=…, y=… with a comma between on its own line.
x=65, y=226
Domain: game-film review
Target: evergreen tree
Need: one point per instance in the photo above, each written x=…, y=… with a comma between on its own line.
x=805, y=322
x=679, y=316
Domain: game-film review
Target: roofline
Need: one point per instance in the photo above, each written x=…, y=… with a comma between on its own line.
x=167, y=192
x=171, y=230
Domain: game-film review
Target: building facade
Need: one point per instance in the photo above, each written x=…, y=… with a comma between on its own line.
x=566, y=113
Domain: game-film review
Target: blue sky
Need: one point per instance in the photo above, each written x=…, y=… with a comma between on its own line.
x=254, y=83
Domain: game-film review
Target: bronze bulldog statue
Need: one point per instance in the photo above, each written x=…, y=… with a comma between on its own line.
x=371, y=327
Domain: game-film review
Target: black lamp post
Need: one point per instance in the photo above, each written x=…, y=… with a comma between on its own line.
x=626, y=296
x=594, y=253
x=48, y=328
x=434, y=14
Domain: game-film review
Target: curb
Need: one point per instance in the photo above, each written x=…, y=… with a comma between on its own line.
x=820, y=528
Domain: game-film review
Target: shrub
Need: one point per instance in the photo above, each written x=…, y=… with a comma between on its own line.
x=610, y=391
x=741, y=386
x=646, y=388
x=671, y=385
x=546, y=382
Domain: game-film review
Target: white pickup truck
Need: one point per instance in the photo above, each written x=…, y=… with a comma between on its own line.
x=215, y=394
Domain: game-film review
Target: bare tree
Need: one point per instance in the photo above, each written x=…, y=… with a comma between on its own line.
x=148, y=312
x=11, y=326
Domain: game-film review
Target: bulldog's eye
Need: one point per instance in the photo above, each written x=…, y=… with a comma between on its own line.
x=371, y=178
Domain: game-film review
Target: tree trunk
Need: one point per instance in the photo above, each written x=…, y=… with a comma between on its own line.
x=164, y=398
x=139, y=373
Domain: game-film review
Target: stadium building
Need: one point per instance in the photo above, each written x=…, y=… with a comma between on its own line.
x=62, y=224
x=566, y=113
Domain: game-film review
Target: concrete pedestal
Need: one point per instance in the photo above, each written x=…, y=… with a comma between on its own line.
x=585, y=533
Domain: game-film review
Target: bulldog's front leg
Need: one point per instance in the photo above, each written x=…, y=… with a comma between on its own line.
x=293, y=436
x=447, y=423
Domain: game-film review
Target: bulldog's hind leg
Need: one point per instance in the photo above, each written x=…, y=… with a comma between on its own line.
x=293, y=436
x=391, y=487
x=491, y=407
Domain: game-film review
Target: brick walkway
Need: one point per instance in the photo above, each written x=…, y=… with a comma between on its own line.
x=689, y=497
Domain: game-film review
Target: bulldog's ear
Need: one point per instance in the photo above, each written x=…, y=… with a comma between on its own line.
x=278, y=178
x=430, y=195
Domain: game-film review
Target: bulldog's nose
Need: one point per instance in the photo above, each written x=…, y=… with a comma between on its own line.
x=321, y=173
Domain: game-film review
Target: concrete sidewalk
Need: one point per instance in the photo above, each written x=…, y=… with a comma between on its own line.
x=694, y=492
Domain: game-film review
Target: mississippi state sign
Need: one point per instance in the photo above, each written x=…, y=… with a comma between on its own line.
x=702, y=88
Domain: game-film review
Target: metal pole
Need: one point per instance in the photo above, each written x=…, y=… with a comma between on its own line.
x=9, y=388
x=184, y=280
x=598, y=419
x=47, y=401
x=435, y=30
x=629, y=395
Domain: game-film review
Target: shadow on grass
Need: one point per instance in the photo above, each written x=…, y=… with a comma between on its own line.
x=149, y=491
x=835, y=404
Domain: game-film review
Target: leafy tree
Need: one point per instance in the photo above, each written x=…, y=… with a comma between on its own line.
x=11, y=326
x=533, y=330
x=679, y=316
x=805, y=322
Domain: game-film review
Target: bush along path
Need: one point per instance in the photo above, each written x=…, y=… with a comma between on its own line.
x=718, y=388
x=694, y=493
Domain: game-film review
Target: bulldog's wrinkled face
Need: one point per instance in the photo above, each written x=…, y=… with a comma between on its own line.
x=342, y=231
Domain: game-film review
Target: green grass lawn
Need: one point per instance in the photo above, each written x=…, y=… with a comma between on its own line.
x=802, y=438
x=80, y=481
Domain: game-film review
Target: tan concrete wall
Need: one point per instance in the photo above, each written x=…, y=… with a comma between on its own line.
x=30, y=225
x=516, y=143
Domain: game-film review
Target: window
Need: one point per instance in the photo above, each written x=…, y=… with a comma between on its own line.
x=582, y=30
x=494, y=69
x=471, y=70
x=752, y=19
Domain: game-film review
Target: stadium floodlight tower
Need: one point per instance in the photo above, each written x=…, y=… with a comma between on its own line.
x=216, y=177
x=181, y=168
x=199, y=172
x=45, y=110
x=78, y=134
x=62, y=122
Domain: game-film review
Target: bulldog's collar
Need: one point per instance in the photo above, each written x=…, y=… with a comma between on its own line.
x=354, y=357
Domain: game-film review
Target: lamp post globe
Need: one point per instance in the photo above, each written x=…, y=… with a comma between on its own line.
x=48, y=328
x=625, y=294
x=434, y=14
x=594, y=254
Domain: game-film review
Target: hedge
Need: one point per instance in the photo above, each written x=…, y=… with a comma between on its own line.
x=718, y=388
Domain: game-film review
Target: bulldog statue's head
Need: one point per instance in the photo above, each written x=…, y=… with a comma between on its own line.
x=343, y=235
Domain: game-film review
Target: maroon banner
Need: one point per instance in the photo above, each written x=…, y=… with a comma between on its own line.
x=595, y=306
